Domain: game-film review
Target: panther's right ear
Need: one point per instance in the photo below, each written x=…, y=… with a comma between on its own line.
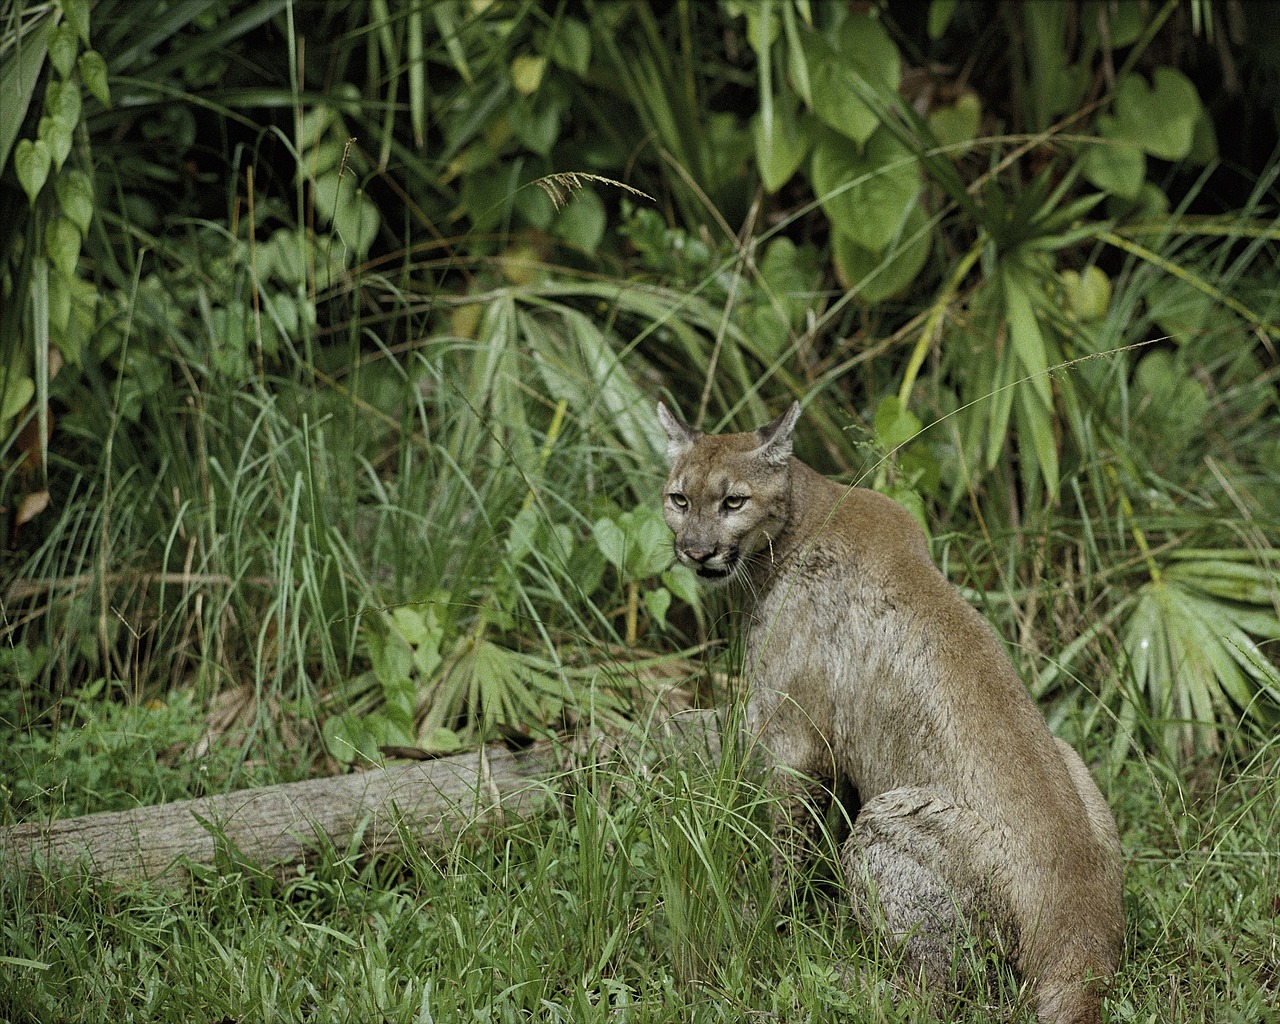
x=680, y=436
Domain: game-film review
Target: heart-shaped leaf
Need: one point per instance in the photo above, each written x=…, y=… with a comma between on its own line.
x=958, y=123
x=15, y=393
x=781, y=150
x=1159, y=118
x=876, y=277
x=862, y=56
x=93, y=72
x=63, y=47
x=57, y=135
x=866, y=193
x=32, y=161
x=62, y=242
x=1115, y=167
x=75, y=197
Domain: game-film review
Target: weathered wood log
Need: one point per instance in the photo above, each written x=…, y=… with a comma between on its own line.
x=275, y=825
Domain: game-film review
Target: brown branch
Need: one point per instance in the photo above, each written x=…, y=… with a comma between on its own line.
x=430, y=801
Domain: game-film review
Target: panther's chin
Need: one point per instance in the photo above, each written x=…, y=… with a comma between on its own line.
x=715, y=575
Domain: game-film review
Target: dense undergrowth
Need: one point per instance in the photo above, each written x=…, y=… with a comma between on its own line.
x=329, y=346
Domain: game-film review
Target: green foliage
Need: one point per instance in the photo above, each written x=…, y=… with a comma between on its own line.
x=353, y=405
x=1196, y=651
x=98, y=752
x=343, y=334
x=41, y=249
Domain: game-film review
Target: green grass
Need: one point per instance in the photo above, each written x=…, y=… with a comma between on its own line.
x=636, y=901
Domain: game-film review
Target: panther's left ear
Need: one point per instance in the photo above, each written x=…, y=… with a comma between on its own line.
x=775, y=437
x=680, y=436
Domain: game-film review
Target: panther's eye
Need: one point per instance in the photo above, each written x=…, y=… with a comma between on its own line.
x=678, y=500
x=734, y=502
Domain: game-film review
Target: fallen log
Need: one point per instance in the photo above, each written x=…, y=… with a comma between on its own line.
x=281, y=824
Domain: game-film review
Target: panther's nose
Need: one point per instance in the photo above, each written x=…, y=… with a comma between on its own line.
x=699, y=555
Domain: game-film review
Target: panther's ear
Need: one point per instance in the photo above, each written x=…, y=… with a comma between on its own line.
x=775, y=437
x=680, y=436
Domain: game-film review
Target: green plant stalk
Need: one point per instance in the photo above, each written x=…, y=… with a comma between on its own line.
x=544, y=453
x=1139, y=537
x=933, y=325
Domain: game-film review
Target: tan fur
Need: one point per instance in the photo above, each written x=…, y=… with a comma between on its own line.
x=866, y=665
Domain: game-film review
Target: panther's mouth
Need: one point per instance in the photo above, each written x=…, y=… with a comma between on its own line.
x=712, y=572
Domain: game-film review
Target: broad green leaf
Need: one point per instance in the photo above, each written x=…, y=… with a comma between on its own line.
x=16, y=391
x=75, y=198
x=1160, y=118
x=611, y=541
x=1088, y=295
x=788, y=273
x=62, y=243
x=780, y=153
x=439, y=739
x=536, y=123
x=862, y=50
x=1173, y=402
x=958, y=123
x=417, y=624
x=1024, y=333
x=1182, y=310
x=571, y=46
x=313, y=125
x=62, y=102
x=400, y=696
x=650, y=550
x=57, y=135
x=73, y=315
x=1151, y=205
x=32, y=162
x=388, y=728
x=894, y=425
x=347, y=738
x=287, y=254
x=582, y=221
x=657, y=602
x=875, y=277
x=681, y=581
x=1115, y=167
x=787, y=283
x=637, y=543
x=526, y=73
x=1125, y=21
x=391, y=657
x=1204, y=140
x=59, y=304
x=866, y=193
x=93, y=72
x=63, y=48
x=522, y=535
x=326, y=191
x=356, y=221
x=77, y=15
